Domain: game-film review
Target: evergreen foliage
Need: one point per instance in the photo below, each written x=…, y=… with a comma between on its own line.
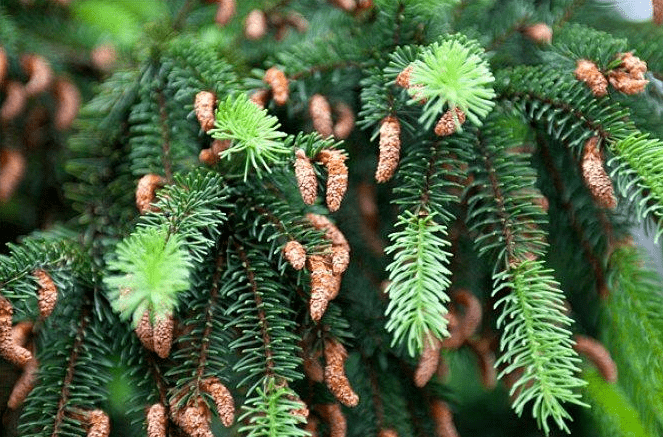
x=203, y=280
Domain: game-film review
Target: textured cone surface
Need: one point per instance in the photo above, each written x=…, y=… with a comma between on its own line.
x=47, y=293
x=332, y=233
x=340, y=259
x=598, y=355
x=427, y=365
x=587, y=72
x=446, y=125
x=322, y=285
x=204, y=107
x=260, y=98
x=225, y=405
x=9, y=350
x=157, y=421
x=658, y=11
x=403, y=78
x=99, y=424
x=295, y=254
x=390, y=149
x=306, y=178
x=337, y=177
x=24, y=385
x=624, y=82
x=320, y=112
x=595, y=176
x=145, y=332
x=337, y=382
x=277, y=81
x=193, y=420
x=163, y=335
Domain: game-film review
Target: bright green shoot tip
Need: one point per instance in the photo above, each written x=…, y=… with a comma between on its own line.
x=453, y=73
x=256, y=140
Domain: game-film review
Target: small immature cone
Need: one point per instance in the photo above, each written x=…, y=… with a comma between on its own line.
x=340, y=259
x=260, y=98
x=540, y=33
x=39, y=72
x=9, y=350
x=657, y=5
x=312, y=367
x=225, y=406
x=145, y=332
x=337, y=176
x=47, y=292
x=403, y=78
x=104, y=56
x=337, y=382
x=446, y=125
x=99, y=424
x=15, y=100
x=473, y=312
x=204, y=106
x=3, y=64
x=21, y=332
x=69, y=101
x=145, y=191
x=157, y=421
x=443, y=418
x=12, y=169
x=320, y=112
x=255, y=25
x=598, y=355
x=595, y=176
x=194, y=420
x=390, y=148
x=333, y=414
x=346, y=5
x=456, y=334
x=307, y=181
x=624, y=82
x=486, y=358
x=388, y=432
x=295, y=254
x=297, y=21
x=225, y=11
x=162, y=335
x=635, y=66
x=211, y=156
x=23, y=385
x=587, y=72
x=322, y=285
x=345, y=121
x=332, y=232
x=277, y=81
x=428, y=361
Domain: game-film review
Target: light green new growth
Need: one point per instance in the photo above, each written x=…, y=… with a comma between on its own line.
x=536, y=340
x=418, y=279
x=152, y=268
x=453, y=73
x=253, y=133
